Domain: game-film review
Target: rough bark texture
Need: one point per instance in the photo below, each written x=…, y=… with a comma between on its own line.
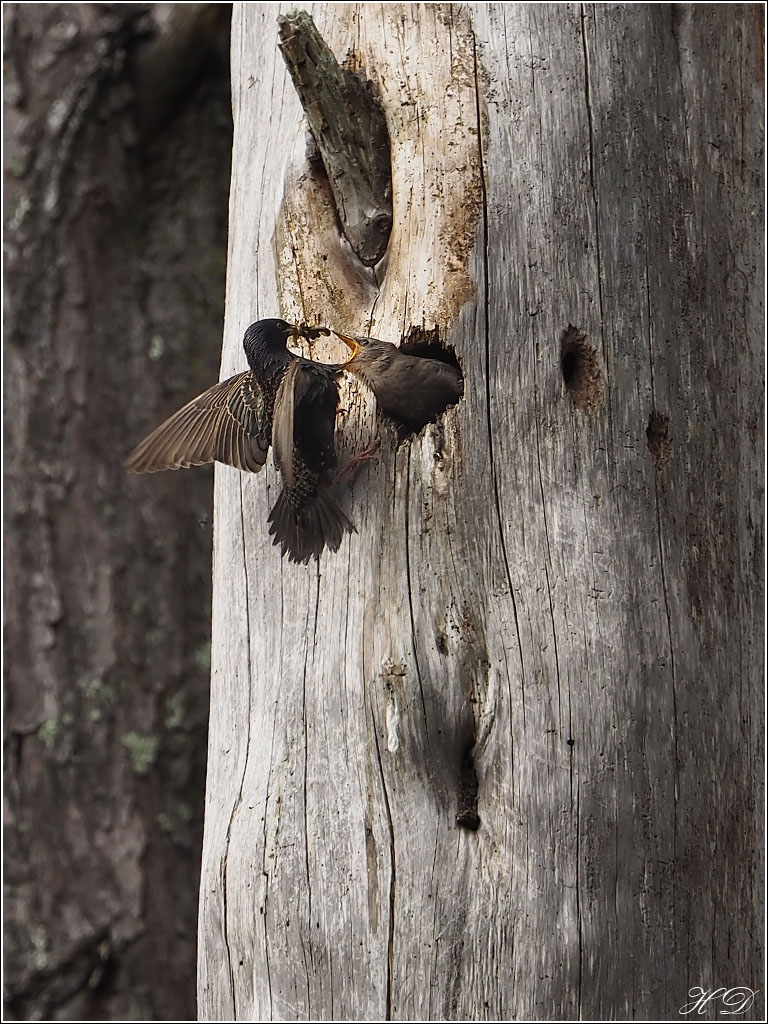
x=350, y=132
x=554, y=593
x=115, y=228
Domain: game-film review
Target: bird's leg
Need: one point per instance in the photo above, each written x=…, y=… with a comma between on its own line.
x=366, y=455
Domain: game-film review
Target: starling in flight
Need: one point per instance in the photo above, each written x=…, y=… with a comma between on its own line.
x=412, y=390
x=284, y=400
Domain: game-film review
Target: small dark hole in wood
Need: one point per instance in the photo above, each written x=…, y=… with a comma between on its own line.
x=659, y=439
x=467, y=816
x=427, y=344
x=582, y=373
x=314, y=157
x=570, y=366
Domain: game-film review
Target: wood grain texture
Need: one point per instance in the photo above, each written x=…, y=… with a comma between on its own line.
x=525, y=583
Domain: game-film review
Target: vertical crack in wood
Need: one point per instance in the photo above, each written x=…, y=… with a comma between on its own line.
x=431, y=1015
x=674, y=32
x=350, y=131
x=306, y=970
x=592, y=183
x=330, y=978
x=392, y=876
x=487, y=307
x=548, y=563
x=664, y=586
x=410, y=592
x=306, y=816
x=264, y=872
x=238, y=802
x=291, y=234
x=596, y=208
x=579, y=922
x=225, y=922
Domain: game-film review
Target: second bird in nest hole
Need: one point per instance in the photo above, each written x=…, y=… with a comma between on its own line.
x=412, y=390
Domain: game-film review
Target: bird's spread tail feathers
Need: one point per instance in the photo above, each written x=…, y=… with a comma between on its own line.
x=321, y=524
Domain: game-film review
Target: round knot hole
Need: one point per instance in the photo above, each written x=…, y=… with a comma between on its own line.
x=582, y=373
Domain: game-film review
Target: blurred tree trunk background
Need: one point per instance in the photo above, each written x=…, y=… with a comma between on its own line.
x=118, y=143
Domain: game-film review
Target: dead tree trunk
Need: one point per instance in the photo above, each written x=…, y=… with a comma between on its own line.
x=555, y=589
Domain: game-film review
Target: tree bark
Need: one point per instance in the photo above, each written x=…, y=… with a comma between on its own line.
x=114, y=274
x=551, y=607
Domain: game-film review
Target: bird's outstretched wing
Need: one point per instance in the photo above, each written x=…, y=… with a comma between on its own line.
x=228, y=423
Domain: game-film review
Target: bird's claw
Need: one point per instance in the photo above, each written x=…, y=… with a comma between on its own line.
x=366, y=455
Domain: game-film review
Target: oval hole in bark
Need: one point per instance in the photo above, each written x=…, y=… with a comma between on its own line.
x=582, y=374
x=659, y=439
x=419, y=342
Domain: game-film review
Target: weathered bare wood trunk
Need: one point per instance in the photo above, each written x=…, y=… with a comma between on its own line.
x=558, y=584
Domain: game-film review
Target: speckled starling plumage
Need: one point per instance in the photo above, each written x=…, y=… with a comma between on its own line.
x=283, y=400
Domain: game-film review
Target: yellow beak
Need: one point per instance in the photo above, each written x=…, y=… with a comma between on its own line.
x=351, y=344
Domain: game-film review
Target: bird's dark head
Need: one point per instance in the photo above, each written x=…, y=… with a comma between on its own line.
x=266, y=341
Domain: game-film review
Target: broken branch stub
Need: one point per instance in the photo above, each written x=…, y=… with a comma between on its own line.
x=349, y=128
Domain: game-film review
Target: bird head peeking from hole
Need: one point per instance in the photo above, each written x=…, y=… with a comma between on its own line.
x=411, y=390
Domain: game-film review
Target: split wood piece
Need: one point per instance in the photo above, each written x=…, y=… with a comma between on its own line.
x=351, y=134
